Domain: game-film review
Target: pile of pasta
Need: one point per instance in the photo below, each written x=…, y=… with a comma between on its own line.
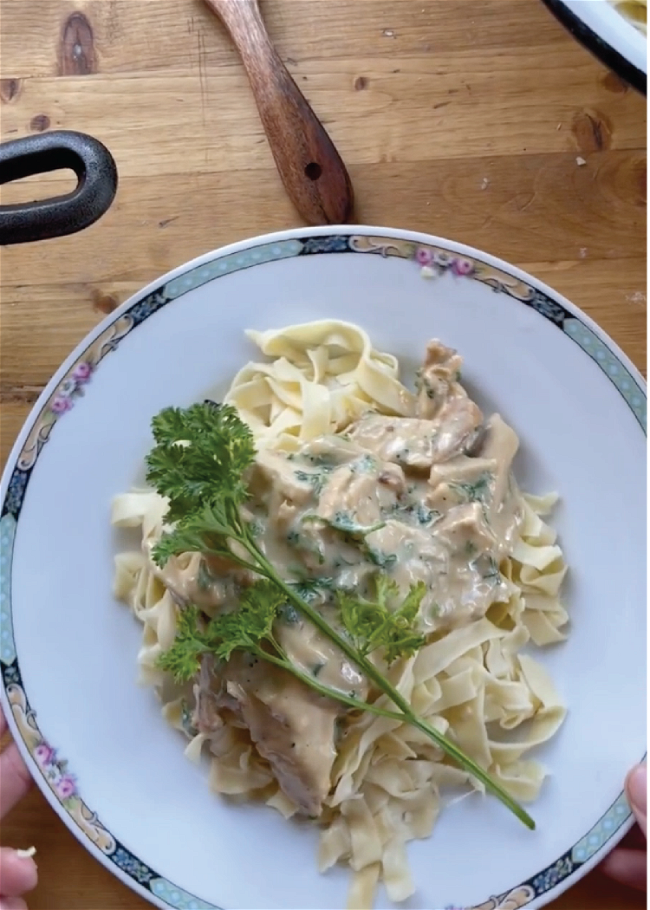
x=474, y=684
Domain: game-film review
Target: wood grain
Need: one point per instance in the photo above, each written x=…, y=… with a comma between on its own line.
x=464, y=118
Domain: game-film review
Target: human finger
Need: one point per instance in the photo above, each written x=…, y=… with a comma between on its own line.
x=12, y=903
x=16, y=779
x=629, y=867
x=633, y=840
x=636, y=790
x=18, y=874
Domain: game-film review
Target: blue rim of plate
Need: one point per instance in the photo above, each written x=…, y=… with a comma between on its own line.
x=608, y=55
x=433, y=257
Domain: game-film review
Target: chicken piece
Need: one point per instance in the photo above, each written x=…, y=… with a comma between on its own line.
x=313, y=653
x=207, y=718
x=331, y=451
x=501, y=444
x=417, y=444
x=463, y=470
x=464, y=530
x=273, y=478
x=438, y=379
x=291, y=726
x=205, y=580
x=405, y=441
x=392, y=477
x=352, y=494
x=458, y=420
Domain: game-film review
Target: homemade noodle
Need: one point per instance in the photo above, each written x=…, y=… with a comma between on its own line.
x=382, y=784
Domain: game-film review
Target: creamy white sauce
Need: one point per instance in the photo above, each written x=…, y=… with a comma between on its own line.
x=426, y=499
x=440, y=516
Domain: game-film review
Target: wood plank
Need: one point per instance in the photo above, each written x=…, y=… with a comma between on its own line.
x=177, y=35
x=523, y=208
x=463, y=118
x=426, y=111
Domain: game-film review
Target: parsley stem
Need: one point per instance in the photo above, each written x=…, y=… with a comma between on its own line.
x=375, y=676
x=203, y=478
x=326, y=691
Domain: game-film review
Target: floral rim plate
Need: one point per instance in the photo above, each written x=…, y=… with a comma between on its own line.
x=95, y=742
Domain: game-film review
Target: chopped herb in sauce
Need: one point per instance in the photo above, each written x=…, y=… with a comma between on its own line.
x=186, y=721
x=414, y=512
x=311, y=589
x=364, y=465
x=317, y=479
x=488, y=568
x=478, y=491
x=344, y=522
x=306, y=543
x=383, y=560
x=426, y=516
x=256, y=527
x=288, y=614
x=204, y=578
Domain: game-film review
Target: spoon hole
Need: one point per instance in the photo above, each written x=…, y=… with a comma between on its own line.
x=313, y=170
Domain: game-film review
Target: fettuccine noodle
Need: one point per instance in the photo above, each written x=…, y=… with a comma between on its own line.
x=473, y=682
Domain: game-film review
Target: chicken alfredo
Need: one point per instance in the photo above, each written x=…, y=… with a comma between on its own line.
x=360, y=494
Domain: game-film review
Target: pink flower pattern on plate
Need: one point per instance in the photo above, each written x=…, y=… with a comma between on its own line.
x=424, y=256
x=44, y=754
x=462, y=267
x=82, y=372
x=61, y=404
x=63, y=784
x=443, y=261
x=70, y=388
x=66, y=787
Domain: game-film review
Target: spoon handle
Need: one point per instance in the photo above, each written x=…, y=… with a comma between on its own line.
x=311, y=169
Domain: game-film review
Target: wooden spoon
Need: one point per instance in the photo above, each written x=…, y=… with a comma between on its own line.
x=311, y=169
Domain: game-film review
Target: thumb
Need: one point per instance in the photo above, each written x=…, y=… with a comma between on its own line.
x=636, y=789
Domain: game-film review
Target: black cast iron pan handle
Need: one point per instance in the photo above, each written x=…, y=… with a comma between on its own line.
x=96, y=185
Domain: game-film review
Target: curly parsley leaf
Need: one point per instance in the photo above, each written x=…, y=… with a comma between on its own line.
x=244, y=629
x=378, y=623
x=200, y=456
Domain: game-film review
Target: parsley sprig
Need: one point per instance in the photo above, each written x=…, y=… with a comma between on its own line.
x=199, y=463
x=373, y=624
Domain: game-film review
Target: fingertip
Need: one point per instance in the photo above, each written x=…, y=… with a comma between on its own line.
x=627, y=867
x=12, y=903
x=636, y=790
x=636, y=786
x=16, y=779
x=19, y=873
x=29, y=872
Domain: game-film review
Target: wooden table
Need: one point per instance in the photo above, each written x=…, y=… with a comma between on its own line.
x=481, y=120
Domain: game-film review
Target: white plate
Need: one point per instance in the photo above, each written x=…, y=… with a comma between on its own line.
x=69, y=651
x=608, y=34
